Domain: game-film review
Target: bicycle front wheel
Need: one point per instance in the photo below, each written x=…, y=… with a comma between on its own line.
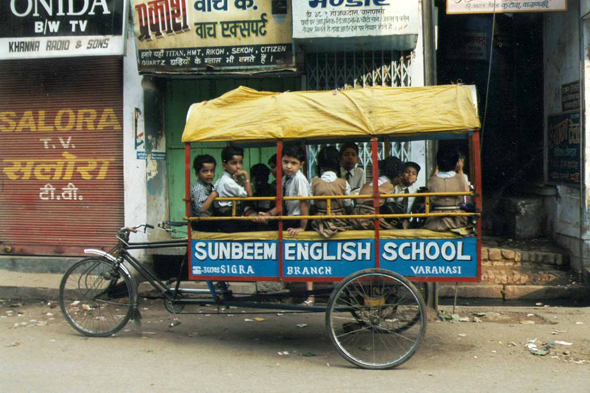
x=376, y=319
x=96, y=297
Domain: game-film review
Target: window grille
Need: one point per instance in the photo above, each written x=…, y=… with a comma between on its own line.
x=349, y=70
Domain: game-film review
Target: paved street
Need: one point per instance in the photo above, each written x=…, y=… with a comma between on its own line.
x=42, y=353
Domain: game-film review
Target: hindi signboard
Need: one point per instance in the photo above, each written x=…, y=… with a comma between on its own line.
x=362, y=21
x=570, y=96
x=183, y=35
x=501, y=6
x=563, y=148
x=31, y=29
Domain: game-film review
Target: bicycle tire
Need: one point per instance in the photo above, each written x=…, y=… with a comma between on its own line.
x=376, y=319
x=96, y=297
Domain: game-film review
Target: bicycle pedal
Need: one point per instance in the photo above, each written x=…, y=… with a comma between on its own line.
x=175, y=323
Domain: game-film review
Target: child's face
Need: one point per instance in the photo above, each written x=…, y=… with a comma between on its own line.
x=273, y=168
x=207, y=173
x=349, y=159
x=235, y=164
x=291, y=165
x=410, y=176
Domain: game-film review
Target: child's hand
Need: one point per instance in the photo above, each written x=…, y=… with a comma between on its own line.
x=262, y=217
x=240, y=175
x=294, y=231
x=459, y=166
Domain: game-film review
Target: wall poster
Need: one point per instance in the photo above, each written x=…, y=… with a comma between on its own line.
x=563, y=148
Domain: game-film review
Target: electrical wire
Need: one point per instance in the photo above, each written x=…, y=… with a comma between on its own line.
x=485, y=113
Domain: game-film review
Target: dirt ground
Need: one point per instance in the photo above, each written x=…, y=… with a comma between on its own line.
x=40, y=352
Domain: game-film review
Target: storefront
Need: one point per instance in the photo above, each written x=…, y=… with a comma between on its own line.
x=61, y=126
x=528, y=58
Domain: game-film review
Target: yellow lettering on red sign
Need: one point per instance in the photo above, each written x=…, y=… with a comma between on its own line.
x=65, y=120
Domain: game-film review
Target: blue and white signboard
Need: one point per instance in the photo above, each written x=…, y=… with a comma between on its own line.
x=258, y=260
x=430, y=257
x=248, y=258
x=336, y=258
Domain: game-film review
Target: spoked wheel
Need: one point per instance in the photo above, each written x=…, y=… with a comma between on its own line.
x=376, y=319
x=96, y=297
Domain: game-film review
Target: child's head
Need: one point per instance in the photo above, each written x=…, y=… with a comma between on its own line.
x=232, y=159
x=447, y=158
x=328, y=160
x=293, y=159
x=393, y=168
x=272, y=164
x=259, y=174
x=204, y=166
x=411, y=170
x=349, y=155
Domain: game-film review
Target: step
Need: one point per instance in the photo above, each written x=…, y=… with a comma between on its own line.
x=515, y=292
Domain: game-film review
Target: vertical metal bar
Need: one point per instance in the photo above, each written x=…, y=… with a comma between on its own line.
x=478, y=201
x=279, y=206
x=187, y=187
x=374, y=145
x=329, y=206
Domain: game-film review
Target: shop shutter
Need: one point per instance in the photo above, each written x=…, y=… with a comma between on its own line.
x=61, y=155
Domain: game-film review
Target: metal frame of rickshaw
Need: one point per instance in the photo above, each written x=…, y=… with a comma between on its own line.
x=474, y=143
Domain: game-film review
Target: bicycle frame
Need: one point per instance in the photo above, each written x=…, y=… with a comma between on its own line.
x=173, y=294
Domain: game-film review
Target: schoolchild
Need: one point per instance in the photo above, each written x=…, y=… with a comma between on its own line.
x=390, y=174
x=329, y=184
x=202, y=192
x=408, y=186
x=259, y=175
x=234, y=182
x=294, y=184
x=448, y=178
x=349, y=159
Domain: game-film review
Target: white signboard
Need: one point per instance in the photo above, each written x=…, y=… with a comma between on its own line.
x=500, y=6
x=354, y=18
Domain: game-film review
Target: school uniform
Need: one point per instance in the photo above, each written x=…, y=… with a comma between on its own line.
x=199, y=193
x=386, y=206
x=296, y=185
x=227, y=187
x=446, y=182
x=326, y=185
x=355, y=178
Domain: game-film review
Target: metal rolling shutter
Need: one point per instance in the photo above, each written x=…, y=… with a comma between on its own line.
x=61, y=155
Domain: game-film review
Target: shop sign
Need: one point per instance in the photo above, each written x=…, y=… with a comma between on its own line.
x=468, y=45
x=354, y=18
x=32, y=29
x=184, y=35
x=570, y=96
x=563, y=148
x=501, y=6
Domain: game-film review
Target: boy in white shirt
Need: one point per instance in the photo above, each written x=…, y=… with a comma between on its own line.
x=349, y=158
x=228, y=186
x=407, y=186
x=294, y=184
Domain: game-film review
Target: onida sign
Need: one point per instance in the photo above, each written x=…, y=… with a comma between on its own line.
x=61, y=28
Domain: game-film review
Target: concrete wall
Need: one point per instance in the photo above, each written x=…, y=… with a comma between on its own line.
x=134, y=169
x=585, y=148
x=562, y=65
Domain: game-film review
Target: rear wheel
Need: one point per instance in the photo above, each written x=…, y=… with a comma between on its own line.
x=96, y=297
x=376, y=319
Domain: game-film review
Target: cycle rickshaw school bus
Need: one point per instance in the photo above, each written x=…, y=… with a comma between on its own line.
x=375, y=316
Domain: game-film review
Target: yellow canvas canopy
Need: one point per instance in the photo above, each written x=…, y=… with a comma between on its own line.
x=245, y=114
